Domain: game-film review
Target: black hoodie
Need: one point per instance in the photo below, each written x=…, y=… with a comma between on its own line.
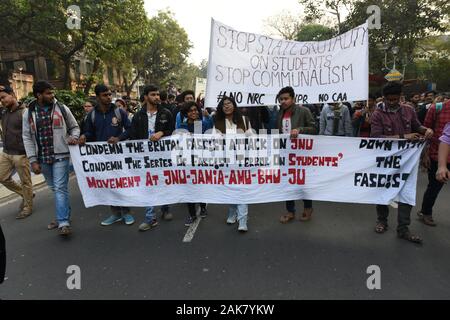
x=139, y=124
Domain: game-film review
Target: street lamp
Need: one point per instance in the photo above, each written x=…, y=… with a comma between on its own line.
x=395, y=52
x=20, y=78
x=384, y=47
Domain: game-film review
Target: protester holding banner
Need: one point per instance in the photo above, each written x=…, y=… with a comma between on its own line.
x=443, y=172
x=48, y=127
x=194, y=115
x=335, y=120
x=107, y=122
x=13, y=156
x=229, y=120
x=437, y=117
x=294, y=120
x=398, y=121
x=152, y=122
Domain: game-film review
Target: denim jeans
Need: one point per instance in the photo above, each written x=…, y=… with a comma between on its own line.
x=57, y=177
x=149, y=214
x=238, y=210
x=290, y=205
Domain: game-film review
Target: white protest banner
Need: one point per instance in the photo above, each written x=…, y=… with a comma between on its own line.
x=246, y=169
x=200, y=87
x=253, y=68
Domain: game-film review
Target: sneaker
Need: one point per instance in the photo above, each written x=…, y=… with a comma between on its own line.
x=65, y=231
x=144, y=226
x=166, y=216
x=128, y=218
x=243, y=225
x=203, y=212
x=111, y=219
x=189, y=220
x=232, y=219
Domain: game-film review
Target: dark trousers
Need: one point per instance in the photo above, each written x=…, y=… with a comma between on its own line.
x=191, y=208
x=120, y=210
x=433, y=189
x=403, y=216
x=290, y=205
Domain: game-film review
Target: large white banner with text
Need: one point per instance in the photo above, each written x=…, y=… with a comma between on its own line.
x=237, y=169
x=253, y=68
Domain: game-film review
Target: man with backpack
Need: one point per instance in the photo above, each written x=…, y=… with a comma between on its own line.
x=108, y=123
x=48, y=128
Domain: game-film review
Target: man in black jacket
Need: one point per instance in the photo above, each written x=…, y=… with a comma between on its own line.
x=152, y=122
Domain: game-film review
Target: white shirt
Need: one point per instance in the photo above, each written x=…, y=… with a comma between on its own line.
x=151, y=122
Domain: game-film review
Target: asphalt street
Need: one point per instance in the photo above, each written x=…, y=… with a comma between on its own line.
x=326, y=258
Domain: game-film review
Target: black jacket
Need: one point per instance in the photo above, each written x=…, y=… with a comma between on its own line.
x=139, y=124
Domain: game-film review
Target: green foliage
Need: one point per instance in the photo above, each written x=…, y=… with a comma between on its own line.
x=74, y=100
x=314, y=32
x=168, y=50
x=403, y=24
x=106, y=27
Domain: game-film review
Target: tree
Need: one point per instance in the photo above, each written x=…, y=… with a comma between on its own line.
x=41, y=25
x=120, y=45
x=432, y=61
x=314, y=32
x=403, y=24
x=186, y=77
x=316, y=10
x=167, y=52
x=285, y=25
x=204, y=68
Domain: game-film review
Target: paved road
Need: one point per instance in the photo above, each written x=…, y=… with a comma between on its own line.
x=323, y=259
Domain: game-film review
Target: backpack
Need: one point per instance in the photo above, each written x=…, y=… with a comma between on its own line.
x=91, y=116
x=63, y=113
x=117, y=113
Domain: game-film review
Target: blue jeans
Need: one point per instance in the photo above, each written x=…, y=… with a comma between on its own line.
x=238, y=210
x=57, y=177
x=149, y=214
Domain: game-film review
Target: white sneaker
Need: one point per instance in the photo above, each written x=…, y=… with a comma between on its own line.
x=232, y=219
x=243, y=225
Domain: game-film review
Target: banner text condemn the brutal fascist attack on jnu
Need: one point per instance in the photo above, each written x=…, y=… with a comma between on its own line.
x=246, y=169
